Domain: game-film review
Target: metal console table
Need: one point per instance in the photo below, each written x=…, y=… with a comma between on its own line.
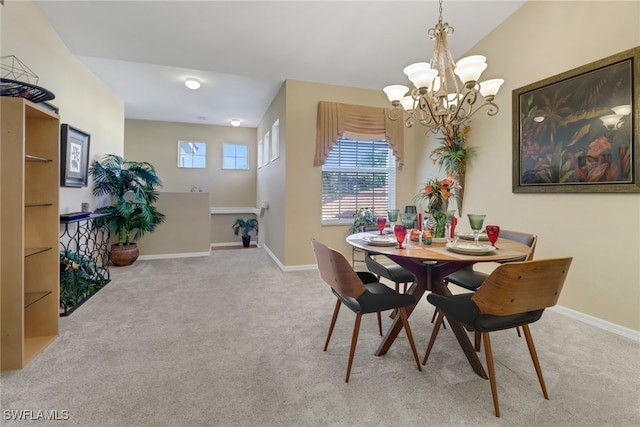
x=84, y=259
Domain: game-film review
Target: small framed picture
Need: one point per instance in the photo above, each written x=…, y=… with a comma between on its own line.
x=74, y=156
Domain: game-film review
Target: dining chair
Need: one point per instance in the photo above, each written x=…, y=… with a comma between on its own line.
x=470, y=279
x=355, y=252
x=390, y=271
x=514, y=295
x=359, y=296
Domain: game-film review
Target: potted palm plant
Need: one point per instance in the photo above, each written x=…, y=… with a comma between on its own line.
x=132, y=187
x=246, y=226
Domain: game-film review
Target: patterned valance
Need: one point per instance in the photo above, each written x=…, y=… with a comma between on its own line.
x=336, y=120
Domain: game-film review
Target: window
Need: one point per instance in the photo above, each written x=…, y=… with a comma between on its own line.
x=275, y=140
x=259, y=154
x=265, y=148
x=192, y=154
x=357, y=174
x=235, y=156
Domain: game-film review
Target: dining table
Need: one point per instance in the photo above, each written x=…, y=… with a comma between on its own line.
x=431, y=263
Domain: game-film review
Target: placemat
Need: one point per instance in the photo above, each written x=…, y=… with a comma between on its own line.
x=501, y=252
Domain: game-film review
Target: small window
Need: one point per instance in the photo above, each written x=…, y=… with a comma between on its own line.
x=192, y=154
x=275, y=140
x=265, y=155
x=235, y=156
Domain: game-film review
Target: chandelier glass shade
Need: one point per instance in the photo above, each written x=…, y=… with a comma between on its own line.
x=444, y=93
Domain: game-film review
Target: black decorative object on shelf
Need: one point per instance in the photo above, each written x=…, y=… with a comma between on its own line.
x=19, y=81
x=84, y=259
x=25, y=90
x=73, y=215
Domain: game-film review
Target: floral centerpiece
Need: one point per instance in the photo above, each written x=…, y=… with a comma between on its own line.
x=436, y=193
x=452, y=155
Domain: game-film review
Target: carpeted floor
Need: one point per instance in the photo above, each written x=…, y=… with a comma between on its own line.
x=230, y=340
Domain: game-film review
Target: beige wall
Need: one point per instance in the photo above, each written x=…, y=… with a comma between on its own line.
x=601, y=231
x=157, y=143
x=272, y=183
x=186, y=228
x=84, y=101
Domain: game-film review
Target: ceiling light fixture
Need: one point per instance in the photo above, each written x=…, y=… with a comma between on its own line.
x=235, y=122
x=438, y=100
x=192, y=84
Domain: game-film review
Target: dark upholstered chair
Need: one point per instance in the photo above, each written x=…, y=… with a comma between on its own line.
x=357, y=255
x=470, y=279
x=392, y=272
x=359, y=296
x=514, y=295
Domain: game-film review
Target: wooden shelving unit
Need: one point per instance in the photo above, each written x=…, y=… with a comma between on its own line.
x=29, y=268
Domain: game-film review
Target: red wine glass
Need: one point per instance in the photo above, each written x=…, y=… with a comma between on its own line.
x=401, y=233
x=493, y=231
x=381, y=223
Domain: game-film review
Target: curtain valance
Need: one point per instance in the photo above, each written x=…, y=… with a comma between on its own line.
x=336, y=120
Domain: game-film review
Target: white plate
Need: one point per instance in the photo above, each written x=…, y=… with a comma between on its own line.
x=469, y=236
x=470, y=248
x=380, y=240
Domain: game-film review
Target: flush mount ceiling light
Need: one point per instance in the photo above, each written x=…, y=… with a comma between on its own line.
x=192, y=84
x=439, y=100
x=235, y=122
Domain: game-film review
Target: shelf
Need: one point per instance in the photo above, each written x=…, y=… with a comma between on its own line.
x=34, y=297
x=33, y=251
x=35, y=205
x=31, y=158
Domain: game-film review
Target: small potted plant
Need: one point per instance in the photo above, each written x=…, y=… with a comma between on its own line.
x=364, y=216
x=246, y=226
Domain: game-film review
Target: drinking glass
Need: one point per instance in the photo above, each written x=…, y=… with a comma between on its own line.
x=476, y=222
x=408, y=219
x=382, y=221
x=493, y=231
x=393, y=216
x=401, y=232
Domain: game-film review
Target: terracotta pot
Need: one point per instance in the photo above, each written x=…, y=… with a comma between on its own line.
x=122, y=255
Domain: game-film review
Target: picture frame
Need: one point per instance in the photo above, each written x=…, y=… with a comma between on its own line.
x=74, y=156
x=577, y=132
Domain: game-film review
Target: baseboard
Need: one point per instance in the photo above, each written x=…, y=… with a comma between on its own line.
x=599, y=323
x=290, y=268
x=230, y=244
x=179, y=255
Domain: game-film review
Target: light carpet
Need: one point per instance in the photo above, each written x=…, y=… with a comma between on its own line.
x=230, y=340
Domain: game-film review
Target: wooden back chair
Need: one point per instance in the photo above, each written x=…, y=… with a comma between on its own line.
x=359, y=296
x=515, y=294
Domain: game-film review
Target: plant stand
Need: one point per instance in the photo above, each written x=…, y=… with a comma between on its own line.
x=85, y=245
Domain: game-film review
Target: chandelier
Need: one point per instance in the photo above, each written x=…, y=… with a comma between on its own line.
x=439, y=100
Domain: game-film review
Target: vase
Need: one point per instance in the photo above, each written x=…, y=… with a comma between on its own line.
x=438, y=213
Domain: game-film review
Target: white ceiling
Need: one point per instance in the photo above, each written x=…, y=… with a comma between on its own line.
x=242, y=51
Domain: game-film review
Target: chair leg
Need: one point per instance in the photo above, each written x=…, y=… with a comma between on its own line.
x=534, y=357
x=433, y=318
x=476, y=335
x=379, y=322
x=354, y=341
x=518, y=331
x=492, y=372
x=405, y=323
x=333, y=323
x=434, y=333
